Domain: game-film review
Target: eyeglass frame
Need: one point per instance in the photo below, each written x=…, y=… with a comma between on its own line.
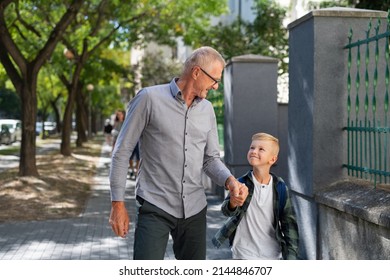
x=211, y=77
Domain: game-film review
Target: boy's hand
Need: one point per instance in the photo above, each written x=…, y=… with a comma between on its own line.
x=238, y=192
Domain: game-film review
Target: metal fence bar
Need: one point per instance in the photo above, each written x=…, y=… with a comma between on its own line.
x=386, y=99
x=349, y=133
x=368, y=154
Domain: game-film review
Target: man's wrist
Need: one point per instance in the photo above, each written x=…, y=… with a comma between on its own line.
x=228, y=181
x=117, y=203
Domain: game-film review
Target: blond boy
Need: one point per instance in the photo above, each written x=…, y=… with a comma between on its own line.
x=264, y=227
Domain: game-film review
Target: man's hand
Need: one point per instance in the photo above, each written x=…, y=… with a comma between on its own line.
x=119, y=219
x=238, y=192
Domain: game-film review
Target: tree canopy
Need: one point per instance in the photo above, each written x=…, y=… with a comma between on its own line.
x=33, y=34
x=9, y=104
x=266, y=35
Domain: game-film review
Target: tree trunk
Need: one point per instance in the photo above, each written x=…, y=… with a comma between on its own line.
x=66, y=130
x=57, y=115
x=74, y=88
x=27, y=163
x=81, y=119
x=93, y=122
x=23, y=74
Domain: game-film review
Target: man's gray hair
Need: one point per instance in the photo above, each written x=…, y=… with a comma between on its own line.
x=202, y=57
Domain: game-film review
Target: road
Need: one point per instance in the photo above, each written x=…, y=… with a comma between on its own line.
x=11, y=161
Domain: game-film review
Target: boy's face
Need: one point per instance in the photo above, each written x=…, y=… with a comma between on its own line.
x=262, y=153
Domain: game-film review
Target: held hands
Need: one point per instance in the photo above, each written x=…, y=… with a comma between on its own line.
x=238, y=192
x=119, y=219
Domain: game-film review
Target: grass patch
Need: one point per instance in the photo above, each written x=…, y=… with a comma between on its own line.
x=10, y=150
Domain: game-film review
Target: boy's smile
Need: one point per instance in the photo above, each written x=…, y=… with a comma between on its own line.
x=261, y=153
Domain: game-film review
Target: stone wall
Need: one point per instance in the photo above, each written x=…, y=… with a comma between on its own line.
x=354, y=221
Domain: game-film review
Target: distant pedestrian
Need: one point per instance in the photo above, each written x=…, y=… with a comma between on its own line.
x=134, y=162
x=265, y=226
x=107, y=132
x=119, y=118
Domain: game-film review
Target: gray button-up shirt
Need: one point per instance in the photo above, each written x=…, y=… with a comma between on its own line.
x=176, y=143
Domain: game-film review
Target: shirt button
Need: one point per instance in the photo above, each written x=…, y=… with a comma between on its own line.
x=184, y=196
x=184, y=181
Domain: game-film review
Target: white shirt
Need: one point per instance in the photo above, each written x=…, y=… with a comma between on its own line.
x=255, y=235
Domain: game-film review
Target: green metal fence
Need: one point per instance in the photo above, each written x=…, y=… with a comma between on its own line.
x=368, y=155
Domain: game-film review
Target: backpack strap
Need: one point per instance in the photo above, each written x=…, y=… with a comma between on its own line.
x=281, y=189
x=241, y=180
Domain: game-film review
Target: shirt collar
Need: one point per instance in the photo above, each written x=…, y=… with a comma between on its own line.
x=174, y=88
x=257, y=183
x=176, y=93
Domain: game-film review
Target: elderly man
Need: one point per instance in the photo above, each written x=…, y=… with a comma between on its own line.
x=177, y=130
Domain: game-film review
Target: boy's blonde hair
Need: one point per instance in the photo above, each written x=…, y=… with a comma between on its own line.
x=267, y=137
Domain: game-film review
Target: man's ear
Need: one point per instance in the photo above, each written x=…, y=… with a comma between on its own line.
x=195, y=73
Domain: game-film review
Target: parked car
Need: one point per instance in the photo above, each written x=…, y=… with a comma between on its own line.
x=14, y=127
x=5, y=135
x=50, y=128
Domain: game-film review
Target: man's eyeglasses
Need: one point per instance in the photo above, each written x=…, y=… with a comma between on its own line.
x=211, y=77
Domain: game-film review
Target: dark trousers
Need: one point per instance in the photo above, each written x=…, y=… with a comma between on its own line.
x=154, y=226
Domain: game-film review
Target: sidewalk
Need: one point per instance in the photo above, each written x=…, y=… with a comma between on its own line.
x=89, y=237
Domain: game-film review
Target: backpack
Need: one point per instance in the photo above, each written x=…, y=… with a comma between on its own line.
x=281, y=189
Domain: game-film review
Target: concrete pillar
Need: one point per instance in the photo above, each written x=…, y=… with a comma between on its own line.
x=250, y=90
x=318, y=108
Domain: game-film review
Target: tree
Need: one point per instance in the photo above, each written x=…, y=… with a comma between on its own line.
x=157, y=69
x=110, y=68
x=381, y=5
x=3, y=77
x=107, y=23
x=23, y=65
x=49, y=97
x=266, y=36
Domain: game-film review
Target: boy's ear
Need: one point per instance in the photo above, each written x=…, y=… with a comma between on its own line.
x=273, y=159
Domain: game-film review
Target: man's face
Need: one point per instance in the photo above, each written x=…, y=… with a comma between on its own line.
x=208, y=79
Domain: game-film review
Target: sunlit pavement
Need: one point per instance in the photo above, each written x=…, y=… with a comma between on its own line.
x=89, y=236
